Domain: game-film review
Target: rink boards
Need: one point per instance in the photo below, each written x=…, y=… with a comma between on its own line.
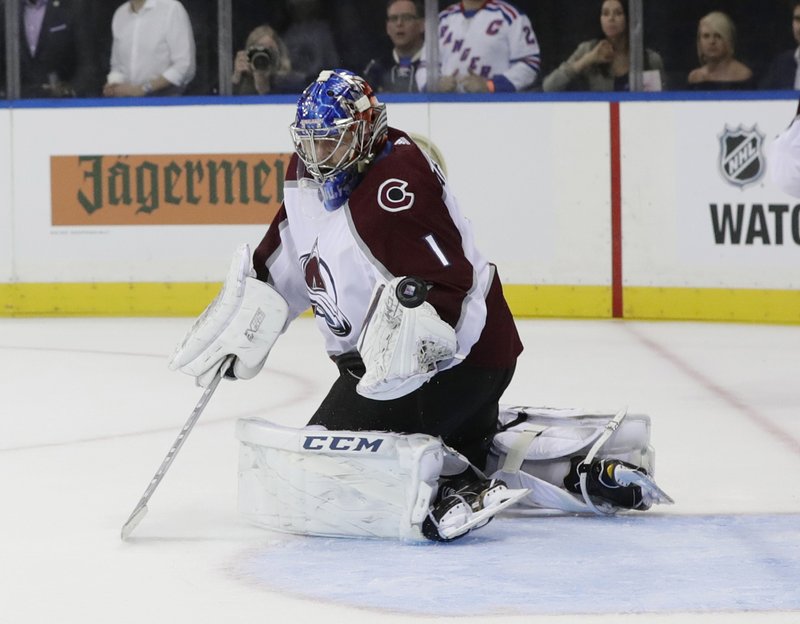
x=641, y=209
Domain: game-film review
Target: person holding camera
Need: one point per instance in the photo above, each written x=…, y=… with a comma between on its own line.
x=263, y=67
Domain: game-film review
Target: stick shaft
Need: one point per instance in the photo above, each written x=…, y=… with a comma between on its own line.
x=137, y=514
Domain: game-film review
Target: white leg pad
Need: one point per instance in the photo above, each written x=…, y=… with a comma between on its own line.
x=534, y=452
x=313, y=481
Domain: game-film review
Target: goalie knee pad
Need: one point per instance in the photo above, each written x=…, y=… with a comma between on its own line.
x=542, y=440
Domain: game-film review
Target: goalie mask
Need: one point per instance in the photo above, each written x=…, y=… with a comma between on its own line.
x=339, y=128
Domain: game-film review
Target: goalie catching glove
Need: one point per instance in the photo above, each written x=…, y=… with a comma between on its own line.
x=402, y=341
x=244, y=320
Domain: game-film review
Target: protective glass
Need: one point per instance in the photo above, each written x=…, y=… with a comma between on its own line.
x=402, y=18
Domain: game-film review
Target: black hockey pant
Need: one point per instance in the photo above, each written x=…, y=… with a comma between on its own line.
x=460, y=405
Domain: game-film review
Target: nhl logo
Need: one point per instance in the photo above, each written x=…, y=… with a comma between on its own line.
x=741, y=159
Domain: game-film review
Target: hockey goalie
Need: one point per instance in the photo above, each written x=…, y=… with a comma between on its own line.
x=410, y=441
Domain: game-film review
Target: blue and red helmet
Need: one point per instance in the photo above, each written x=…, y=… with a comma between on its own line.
x=338, y=129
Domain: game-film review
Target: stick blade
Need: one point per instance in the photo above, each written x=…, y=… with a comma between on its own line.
x=133, y=521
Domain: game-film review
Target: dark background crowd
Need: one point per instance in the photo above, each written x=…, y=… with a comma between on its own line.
x=350, y=33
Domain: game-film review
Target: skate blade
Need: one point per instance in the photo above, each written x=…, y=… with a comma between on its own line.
x=649, y=487
x=484, y=515
x=662, y=497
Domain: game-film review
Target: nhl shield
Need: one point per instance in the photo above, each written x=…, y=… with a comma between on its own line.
x=741, y=158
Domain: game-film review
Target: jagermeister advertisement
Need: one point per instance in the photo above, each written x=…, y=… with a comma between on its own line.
x=177, y=189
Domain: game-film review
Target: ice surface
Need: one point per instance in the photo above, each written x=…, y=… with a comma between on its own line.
x=89, y=410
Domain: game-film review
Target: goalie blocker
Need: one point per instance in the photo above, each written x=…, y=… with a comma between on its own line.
x=244, y=321
x=315, y=481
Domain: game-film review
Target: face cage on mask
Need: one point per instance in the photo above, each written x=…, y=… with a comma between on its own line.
x=319, y=160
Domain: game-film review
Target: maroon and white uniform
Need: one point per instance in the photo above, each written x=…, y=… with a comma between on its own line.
x=400, y=220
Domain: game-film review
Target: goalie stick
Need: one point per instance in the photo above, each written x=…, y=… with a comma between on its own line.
x=140, y=510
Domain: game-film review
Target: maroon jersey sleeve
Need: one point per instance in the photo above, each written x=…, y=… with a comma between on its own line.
x=401, y=214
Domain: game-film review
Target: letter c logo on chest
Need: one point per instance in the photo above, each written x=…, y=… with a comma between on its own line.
x=393, y=196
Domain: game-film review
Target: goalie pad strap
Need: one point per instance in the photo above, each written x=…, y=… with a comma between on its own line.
x=519, y=449
x=610, y=428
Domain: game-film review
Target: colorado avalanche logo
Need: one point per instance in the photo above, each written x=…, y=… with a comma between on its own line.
x=393, y=196
x=741, y=160
x=322, y=292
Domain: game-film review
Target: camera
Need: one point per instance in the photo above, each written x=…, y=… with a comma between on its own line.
x=261, y=59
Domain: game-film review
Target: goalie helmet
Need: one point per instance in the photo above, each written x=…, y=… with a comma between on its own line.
x=339, y=128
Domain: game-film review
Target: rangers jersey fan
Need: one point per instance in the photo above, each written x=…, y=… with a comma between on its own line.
x=495, y=41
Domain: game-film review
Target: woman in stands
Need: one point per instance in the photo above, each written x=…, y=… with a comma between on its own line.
x=719, y=69
x=603, y=64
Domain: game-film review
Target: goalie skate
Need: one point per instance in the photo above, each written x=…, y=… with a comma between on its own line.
x=615, y=482
x=633, y=476
x=457, y=512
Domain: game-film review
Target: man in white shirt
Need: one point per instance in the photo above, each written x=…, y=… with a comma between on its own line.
x=153, y=50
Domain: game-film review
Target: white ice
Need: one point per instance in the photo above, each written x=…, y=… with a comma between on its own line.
x=88, y=410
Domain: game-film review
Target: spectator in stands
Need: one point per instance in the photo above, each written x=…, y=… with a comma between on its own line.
x=153, y=50
x=263, y=66
x=56, y=56
x=398, y=71
x=783, y=71
x=203, y=16
x=603, y=64
x=248, y=14
x=486, y=46
x=309, y=40
x=716, y=47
